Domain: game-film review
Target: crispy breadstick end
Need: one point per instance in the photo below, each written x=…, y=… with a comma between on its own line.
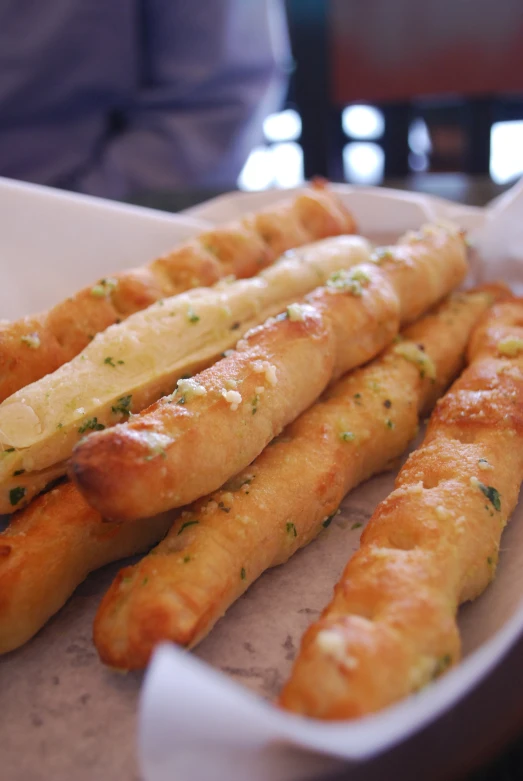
x=153, y=462
x=287, y=496
x=432, y=544
x=37, y=345
x=49, y=548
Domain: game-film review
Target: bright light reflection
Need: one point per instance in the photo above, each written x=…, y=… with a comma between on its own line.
x=363, y=163
x=506, y=151
x=362, y=122
x=283, y=126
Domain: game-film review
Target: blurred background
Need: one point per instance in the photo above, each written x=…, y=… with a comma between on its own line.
x=425, y=95
x=166, y=102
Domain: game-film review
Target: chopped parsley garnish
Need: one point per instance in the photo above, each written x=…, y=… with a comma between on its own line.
x=328, y=520
x=222, y=507
x=442, y=664
x=347, y=436
x=110, y=361
x=186, y=525
x=492, y=495
x=91, y=424
x=186, y=559
x=192, y=317
x=16, y=495
x=31, y=340
x=60, y=425
x=7, y=451
x=156, y=450
x=243, y=574
x=254, y=403
x=235, y=326
x=490, y=561
x=357, y=398
x=291, y=529
x=103, y=288
x=356, y=526
x=122, y=405
x=145, y=581
x=18, y=472
x=389, y=423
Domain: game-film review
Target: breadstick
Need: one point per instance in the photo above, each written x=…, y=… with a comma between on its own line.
x=285, y=498
x=49, y=548
x=38, y=344
x=187, y=445
x=131, y=365
x=431, y=545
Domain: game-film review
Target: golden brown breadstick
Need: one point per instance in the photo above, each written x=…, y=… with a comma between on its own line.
x=186, y=446
x=432, y=544
x=131, y=365
x=285, y=498
x=38, y=344
x=49, y=548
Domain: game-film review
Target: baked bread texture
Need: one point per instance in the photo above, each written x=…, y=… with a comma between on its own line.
x=38, y=344
x=188, y=444
x=220, y=545
x=131, y=365
x=431, y=545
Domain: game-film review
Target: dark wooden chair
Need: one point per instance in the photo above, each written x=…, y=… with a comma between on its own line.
x=465, y=54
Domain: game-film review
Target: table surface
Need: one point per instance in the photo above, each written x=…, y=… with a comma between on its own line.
x=481, y=748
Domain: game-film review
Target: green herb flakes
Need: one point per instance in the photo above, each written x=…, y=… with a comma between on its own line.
x=103, y=288
x=243, y=574
x=356, y=526
x=91, y=424
x=18, y=472
x=291, y=529
x=192, y=317
x=186, y=525
x=16, y=495
x=31, y=340
x=442, y=665
x=347, y=436
x=492, y=495
x=328, y=520
x=122, y=406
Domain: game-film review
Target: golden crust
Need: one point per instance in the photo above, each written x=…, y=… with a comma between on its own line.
x=47, y=551
x=432, y=544
x=222, y=543
x=148, y=354
x=153, y=462
x=237, y=249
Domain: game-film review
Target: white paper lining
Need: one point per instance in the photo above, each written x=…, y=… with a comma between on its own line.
x=196, y=722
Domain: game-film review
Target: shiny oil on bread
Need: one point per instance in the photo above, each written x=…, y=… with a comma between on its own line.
x=287, y=496
x=132, y=364
x=38, y=344
x=188, y=444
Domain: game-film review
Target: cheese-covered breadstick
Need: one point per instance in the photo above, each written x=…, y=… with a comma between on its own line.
x=432, y=544
x=287, y=496
x=190, y=443
x=49, y=548
x=38, y=344
x=131, y=365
